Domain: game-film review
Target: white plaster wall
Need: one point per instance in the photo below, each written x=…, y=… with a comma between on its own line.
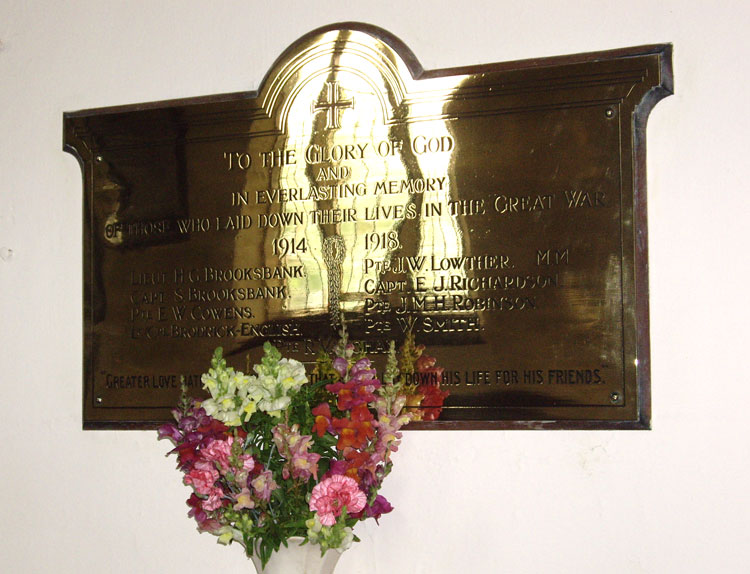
x=671, y=500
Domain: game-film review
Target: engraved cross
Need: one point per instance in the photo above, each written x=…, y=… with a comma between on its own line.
x=332, y=105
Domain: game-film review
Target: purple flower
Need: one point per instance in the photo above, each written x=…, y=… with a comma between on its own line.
x=378, y=507
x=337, y=467
x=341, y=365
x=171, y=432
x=358, y=390
x=205, y=524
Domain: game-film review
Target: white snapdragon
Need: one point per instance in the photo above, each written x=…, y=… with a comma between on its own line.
x=230, y=392
x=236, y=396
x=274, y=381
x=338, y=537
x=228, y=534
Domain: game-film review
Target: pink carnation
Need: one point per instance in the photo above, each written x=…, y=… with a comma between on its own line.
x=333, y=494
x=218, y=451
x=202, y=477
x=214, y=499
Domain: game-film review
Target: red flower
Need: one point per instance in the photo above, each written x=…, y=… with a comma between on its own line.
x=433, y=397
x=194, y=430
x=430, y=376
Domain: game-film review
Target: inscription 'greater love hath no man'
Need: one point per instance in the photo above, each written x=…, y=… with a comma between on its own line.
x=489, y=212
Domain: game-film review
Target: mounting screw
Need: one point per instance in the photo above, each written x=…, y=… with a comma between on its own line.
x=99, y=400
x=609, y=112
x=99, y=158
x=614, y=397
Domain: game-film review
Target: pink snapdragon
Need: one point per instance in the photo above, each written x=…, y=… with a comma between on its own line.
x=264, y=485
x=294, y=447
x=244, y=499
x=389, y=425
x=341, y=365
x=248, y=462
x=330, y=496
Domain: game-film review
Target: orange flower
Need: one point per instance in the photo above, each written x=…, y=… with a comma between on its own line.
x=358, y=460
x=356, y=431
x=322, y=419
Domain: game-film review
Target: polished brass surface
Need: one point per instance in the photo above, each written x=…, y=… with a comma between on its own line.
x=496, y=211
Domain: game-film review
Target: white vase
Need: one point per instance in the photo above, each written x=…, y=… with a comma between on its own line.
x=296, y=559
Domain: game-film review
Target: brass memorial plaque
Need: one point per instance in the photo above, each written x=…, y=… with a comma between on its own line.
x=498, y=212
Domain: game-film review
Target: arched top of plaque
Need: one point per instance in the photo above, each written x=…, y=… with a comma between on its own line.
x=328, y=54
x=392, y=74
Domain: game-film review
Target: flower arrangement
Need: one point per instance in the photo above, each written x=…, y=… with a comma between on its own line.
x=274, y=455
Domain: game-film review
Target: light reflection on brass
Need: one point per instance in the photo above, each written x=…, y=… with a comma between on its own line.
x=489, y=210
